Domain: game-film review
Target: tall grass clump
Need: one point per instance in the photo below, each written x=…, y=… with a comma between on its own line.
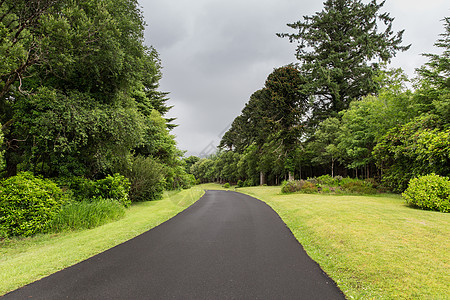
x=86, y=215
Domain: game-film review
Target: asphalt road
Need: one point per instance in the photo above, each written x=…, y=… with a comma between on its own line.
x=225, y=246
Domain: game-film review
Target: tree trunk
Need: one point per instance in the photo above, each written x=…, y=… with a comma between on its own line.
x=262, y=178
x=332, y=168
x=11, y=164
x=291, y=176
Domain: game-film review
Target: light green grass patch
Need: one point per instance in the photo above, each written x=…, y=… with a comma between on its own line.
x=374, y=247
x=23, y=261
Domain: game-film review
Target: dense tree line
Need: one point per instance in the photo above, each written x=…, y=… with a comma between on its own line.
x=79, y=92
x=340, y=110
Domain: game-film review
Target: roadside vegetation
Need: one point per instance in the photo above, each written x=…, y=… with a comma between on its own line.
x=86, y=153
x=83, y=133
x=25, y=260
x=373, y=246
x=340, y=110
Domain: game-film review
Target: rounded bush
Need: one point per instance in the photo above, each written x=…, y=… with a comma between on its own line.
x=430, y=192
x=226, y=185
x=27, y=204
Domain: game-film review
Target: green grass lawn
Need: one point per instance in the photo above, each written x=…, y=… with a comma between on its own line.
x=23, y=261
x=374, y=247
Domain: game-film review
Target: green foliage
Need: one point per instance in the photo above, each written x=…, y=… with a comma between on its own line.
x=240, y=183
x=420, y=147
x=357, y=186
x=86, y=215
x=2, y=152
x=329, y=180
x=115, y=187
x=147, y=179
x=95, y=100
x=71, y=135
x=226, y=185
x=203, y=170
x=28, y=203
x=328, y=184
x=430, y=192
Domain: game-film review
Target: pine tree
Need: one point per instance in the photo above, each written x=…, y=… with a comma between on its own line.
x=340, y=50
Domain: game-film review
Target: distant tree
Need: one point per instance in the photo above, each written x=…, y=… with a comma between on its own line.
x=340, y=50
x=287, y=111
x=325, y=143
x=190, y=161
x=421, y=146
x=251, y=125
x=434, y=78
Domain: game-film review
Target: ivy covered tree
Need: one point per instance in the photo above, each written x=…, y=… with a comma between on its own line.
x=340, y=50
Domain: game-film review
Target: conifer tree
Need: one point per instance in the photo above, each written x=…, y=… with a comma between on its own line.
x=340, y=49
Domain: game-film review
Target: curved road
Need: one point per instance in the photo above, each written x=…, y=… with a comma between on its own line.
x=225, y=246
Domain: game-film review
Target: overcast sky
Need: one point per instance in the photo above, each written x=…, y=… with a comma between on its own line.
x=216, y=53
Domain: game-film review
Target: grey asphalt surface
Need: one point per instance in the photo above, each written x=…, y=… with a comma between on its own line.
x=225, y=246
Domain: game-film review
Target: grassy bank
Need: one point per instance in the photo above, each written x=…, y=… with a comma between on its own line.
x=374, y=247
x=23, y=261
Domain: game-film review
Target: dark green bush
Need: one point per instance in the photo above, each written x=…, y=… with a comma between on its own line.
x=147, y=179
x=114, y=187
x=86, y=215
x=430, y=192
x=249, y=182
x=240, y=183
x=357, y=186
x=27, y=204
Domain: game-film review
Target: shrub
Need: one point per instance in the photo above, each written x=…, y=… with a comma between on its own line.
x=357, y=186
x=430, y=192
x=3, y=233
x=309, y=187
x=146, y=178
x=27, y=204
x=328, y=180
x=226, y=185
x=86, y=215
x=249, y=182
x=240, y=183
x=114, y=187
x=297, y=186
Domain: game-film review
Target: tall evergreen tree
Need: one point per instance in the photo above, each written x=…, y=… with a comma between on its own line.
x=340, y=50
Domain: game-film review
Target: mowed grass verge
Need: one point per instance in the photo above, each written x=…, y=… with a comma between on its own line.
x=374, y=247
x=23, y=261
